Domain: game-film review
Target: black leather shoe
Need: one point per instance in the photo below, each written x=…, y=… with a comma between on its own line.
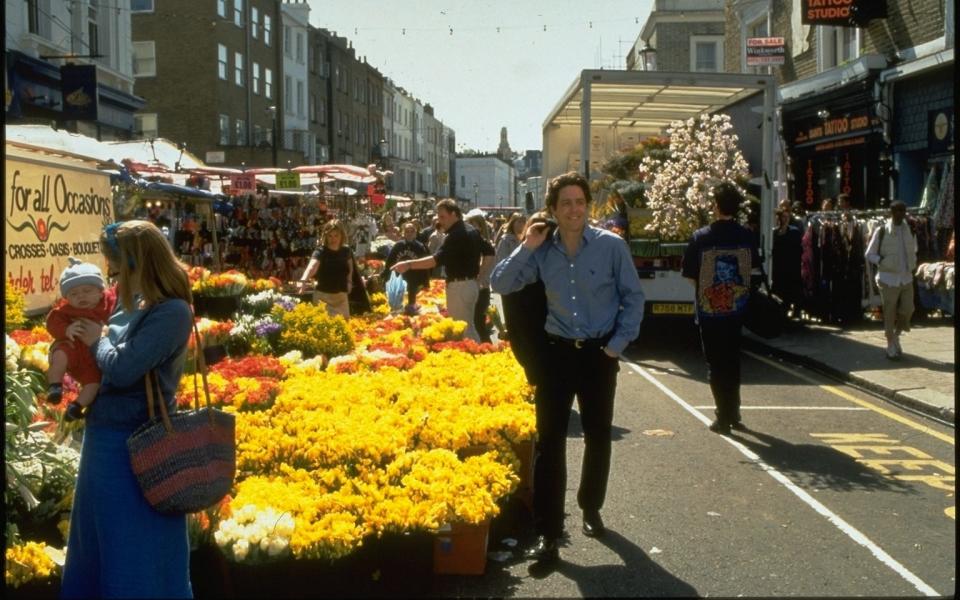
x=739, y=426
x=592, y=523
x=720, y=427
x=546, y=549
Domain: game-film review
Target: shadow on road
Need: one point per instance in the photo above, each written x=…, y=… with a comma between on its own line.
x=575, y=429
x=817, y=466
x=639, y=576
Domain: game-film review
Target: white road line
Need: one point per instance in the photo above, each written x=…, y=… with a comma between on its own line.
x=849, y=530
x=711, y=407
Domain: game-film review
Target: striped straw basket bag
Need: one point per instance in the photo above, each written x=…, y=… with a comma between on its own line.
x=184, y=462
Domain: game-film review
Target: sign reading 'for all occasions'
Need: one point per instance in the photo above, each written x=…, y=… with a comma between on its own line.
x=53, y=211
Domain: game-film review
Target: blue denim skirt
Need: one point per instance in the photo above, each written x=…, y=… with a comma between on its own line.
x=119, y=546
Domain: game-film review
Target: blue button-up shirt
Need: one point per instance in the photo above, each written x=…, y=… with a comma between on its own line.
x=588, y=295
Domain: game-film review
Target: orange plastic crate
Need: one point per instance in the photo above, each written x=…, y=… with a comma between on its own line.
x=461, y=549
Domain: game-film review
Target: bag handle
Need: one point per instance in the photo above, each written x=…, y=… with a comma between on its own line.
x=155, y=394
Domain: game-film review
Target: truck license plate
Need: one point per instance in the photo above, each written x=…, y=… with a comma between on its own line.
x=672, y=308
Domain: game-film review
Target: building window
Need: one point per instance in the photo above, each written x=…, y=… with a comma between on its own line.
x=146, y=125
x=268, y=83
x=256, y=78
x=222, y=61
x=300, y=47
x=297, y=140
x=287, y=41
x=141, y=6
x=222, y=8
x=266, y=29
x=93, y=30
x=706, y=52
x=238, y=68
x=254, y=22
x=238, y=13
x=241, y=126
x=33, y=16
x=313, y=107
x=257, y=135
x=757, y=29
x=322, y=111
x=837, y=45
x=144, y=59
x=288, y=94
x=299, y=98
x=224, y=130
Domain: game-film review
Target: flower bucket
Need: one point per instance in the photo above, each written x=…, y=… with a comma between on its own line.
x=216, y=307
x=461, y=549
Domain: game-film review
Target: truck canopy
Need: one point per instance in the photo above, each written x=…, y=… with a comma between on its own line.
x=605, y=110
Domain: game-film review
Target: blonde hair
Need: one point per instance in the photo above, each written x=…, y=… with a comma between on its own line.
x=332, y=225
x=480, y=224
x=145, y=262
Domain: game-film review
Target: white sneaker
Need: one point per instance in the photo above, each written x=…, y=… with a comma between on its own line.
x=891, y=350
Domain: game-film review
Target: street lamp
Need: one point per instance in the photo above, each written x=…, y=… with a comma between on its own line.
x=476, y=191
x=648, y=57
x=272, y=111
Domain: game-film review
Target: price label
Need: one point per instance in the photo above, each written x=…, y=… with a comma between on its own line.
x=243, y=184
x=288, y=180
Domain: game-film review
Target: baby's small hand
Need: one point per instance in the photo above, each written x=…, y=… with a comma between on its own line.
x=74, y=329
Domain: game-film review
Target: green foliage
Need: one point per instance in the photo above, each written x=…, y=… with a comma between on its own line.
x=622, y=172
x=309, y=329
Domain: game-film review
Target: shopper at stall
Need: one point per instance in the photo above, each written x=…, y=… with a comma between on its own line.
x=893, y=248
x=409, y=248
x=332, y=267
x=787, y=249
x=487, y=262
x=459, y=255
x=594, y=309
x=720, y=261
x=119, y=546
x=510, y=238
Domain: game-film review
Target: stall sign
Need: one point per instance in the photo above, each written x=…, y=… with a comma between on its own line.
x=940, y=130
x=843, y=13
x=288, y=180
x=53, y=211
x=78, y=84
x=377, y=193
x=766, y=51
x=244, y=184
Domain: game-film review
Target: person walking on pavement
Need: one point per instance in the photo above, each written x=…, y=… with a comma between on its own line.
x=594, y=309
x=720, y=260
x=893, y=249
x=460, y=257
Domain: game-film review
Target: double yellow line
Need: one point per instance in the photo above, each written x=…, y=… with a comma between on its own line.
x=868, y=405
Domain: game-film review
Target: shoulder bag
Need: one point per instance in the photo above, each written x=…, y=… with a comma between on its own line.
x=184, y=462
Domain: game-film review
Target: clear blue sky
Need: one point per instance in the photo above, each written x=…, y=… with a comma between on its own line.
x=479, y=80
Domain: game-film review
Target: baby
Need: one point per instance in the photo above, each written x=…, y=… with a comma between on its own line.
x=83, y=296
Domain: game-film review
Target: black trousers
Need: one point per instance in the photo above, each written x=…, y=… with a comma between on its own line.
x=721, y=347
x=590, y=375
x=480, y=314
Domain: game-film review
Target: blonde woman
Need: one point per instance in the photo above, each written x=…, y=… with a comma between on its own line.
x=118, y=544
x=332, y=266
x=510, y=236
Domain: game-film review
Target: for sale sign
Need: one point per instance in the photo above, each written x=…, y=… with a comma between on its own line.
x=288, y=180
x=765, y=51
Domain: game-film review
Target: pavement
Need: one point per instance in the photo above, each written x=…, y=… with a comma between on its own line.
x=922, y=379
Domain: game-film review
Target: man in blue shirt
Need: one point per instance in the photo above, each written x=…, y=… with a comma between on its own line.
x=720, y=261
x=594, y=309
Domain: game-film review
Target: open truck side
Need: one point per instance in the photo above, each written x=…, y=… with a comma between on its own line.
x=603, y=111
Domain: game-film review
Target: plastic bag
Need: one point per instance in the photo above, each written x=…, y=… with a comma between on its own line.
x=396, y=290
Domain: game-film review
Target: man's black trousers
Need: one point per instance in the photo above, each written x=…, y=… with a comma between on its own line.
x=590, y=375
x=720, y=339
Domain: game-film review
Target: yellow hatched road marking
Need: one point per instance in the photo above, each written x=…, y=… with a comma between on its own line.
x=869, y=405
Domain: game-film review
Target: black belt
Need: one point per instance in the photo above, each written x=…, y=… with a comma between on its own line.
x=581, y=342
x=456, y=279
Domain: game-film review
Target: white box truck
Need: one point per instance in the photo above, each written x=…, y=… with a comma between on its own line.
x=604, y=111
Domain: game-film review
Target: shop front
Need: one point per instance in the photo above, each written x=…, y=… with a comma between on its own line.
x=835, y=145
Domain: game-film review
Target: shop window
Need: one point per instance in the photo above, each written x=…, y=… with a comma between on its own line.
x=144, y=59
x=706, y=53
x=224, y=130
x=145, y=125
x=222, y=61
x=837, y=45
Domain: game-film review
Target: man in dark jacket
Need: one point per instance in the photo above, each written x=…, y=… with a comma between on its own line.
x=409, y=248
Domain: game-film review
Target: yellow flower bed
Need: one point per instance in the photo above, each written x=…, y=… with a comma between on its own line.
x=31, y=560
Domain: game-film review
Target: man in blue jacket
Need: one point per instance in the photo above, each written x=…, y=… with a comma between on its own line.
x=594, y=309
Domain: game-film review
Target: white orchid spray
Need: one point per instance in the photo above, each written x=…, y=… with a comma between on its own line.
x=703, y=153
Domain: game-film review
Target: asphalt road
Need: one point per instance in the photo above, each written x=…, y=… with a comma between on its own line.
x=831, y=492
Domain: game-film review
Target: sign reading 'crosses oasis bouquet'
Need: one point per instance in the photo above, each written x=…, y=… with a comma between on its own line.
x=53, y=210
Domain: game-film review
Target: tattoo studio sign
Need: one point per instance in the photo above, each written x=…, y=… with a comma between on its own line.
x=52, y=211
